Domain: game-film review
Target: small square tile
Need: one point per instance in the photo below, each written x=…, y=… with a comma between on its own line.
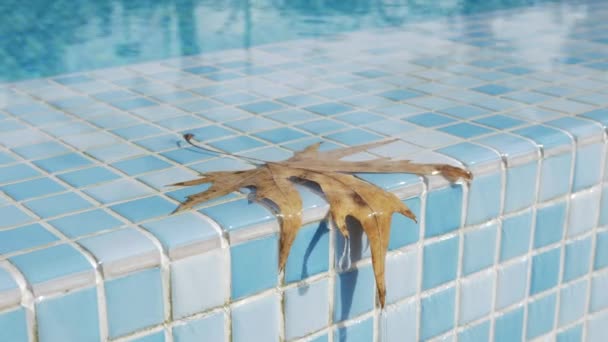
x=256, y=320
x=13, y=326
x=429, y=119
x=549, y=224
x=509, y=326
x=139, y=165
x=479, y=332
x=88, y=176
x=134, y=103
x=511, y=283
x=437, y=314
x=541, y=313
x=188, y=155
x=354, y=137
x=182, y=122
x=17, y=172
x=555, y=176
x=359, y=118
x=306, y=309
x=63, y=162
x=493, y=89
x=254, y=266
x=134, y=302
x=309, y=253
x=137, y=131
x=577, y=259
x=262, y=107
x=41, y=150
x=597, y=328
x=114, y=152
x=465, y=130
x=198, y=106
x=32, y=188
x=572, y=302
x=601, y=251
x=484, y=198
x=476, y=297
x=58, y=204
x=587, y=166
x=500, y=122
x=520, y=189
x=545, y=270
x=71, y=317
x=300, y=100
x=183, y=230
x=11, y=215
x=153, y=337
x=573, y=334
x=209, y=328
x=252, y=124
x=441, y=216
x=599, y=296
x=402, y=284
x=404, y=231
x=400, y=322
x=329, y=108
x=292, y=116
x=51, y=263
x=249, y=214
x=96, y=220
x=280, y=135
x=515, y=235
x=210, y=132
x=25, y=237
x=359, y=331
x=144, y=208
x=399, y=94
x=440, y=262
x=119, y=190
x=479, y=248
x=465, y=112
x=354, y=293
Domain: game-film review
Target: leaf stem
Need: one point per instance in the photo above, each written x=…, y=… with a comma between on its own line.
x=189, y=139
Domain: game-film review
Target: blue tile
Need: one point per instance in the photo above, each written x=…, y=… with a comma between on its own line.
x=429, y=119
x=329, y=108
x=500, y=122
x=515, y=235
x=359, y=118
x=597, y=327
x=89, y=176
x=249, y=214
x=404, y=231
x=555, y=176
x=17, y=172
x=309, y=253
x=13, y=326
x=465, y=112
x=475, y=297
x=465, y=130
x=280, y=135
x=209, y=328
x=71, y=317
x=58, y=204
x=134, y=302
x=601, y=251
x=321, y=126
x=118, y=190
x=599, y=115
x=587, y=167
x=63, y=162
x=187, y=155
x=134, y=103
x=400, y=94
x=51, y=263
x=137, y=131
x=516, y=70
x=236, y=98
x=262, y=107
x=476, y=333
x=545, y=270
x=484, y=198
x=41, y=150
x=96, y=220
x=175, y=96
x=440, y=262
x=512, y=283
x=354, y=293
x=209, y=132
x=237, y=144
x=402, y=284
x=153, y=337
x=572, y=302
x=6, y=158
x=549, y=224
x=179, y=230
x=252, y=124
x=33, y=188
x=254, y=266
x=160, y=143
x=362, y=331
x=470, y=154
x=221, y=164
x=509, y=326
x=520, y=191
x=257, y=320
x=442, y=210
x=202, y=69
x=437, y=314
x=545, y=136
x=292, y=116
x=493, y=89
x=599, y=296
x=541, y=313
x=299, y=100
x=109, y=96
x=10, y=215
x=7, y=283
x=577, y=259
x=579, y=128
x=222, y=76
x=182, y=122
x=110, y=153
x=140, y=165
x=144, y=208
x=354, y=137
x=25, y=237
x=73, y=102
x=306, y=309
x=74, y=79
x=399, y=323
x=224, y=114
x=371, y=73
x=479, y=249
x=574, y=334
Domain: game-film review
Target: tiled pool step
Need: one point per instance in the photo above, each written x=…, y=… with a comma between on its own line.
x=89, y=252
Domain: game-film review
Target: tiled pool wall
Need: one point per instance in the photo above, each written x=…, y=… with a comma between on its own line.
x=89, y=252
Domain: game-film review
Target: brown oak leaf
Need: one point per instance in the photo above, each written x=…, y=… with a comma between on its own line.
x=346, y=194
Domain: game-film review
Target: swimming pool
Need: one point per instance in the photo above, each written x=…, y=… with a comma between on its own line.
x=45, y=38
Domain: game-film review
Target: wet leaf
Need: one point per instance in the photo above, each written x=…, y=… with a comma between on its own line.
x=346, y=194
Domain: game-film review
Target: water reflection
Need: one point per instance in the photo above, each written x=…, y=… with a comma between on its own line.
x=48, y=37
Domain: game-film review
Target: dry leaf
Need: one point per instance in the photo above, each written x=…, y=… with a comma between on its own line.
x=347, y=195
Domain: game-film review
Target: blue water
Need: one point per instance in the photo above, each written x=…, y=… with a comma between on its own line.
x=41, y=38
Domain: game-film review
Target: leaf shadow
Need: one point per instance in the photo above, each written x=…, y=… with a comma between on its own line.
x=348, y=281
x=321, y=230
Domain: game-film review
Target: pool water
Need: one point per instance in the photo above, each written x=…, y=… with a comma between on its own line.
x=42, y=38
